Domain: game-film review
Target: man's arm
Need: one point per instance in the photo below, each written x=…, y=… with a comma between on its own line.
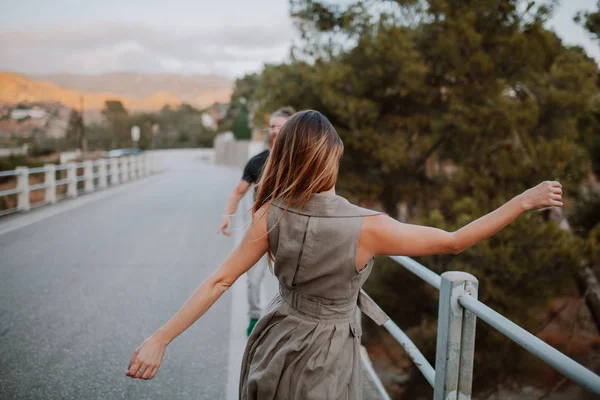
x=232, y=205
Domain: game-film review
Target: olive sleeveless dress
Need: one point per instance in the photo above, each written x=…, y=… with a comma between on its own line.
x=306, y=345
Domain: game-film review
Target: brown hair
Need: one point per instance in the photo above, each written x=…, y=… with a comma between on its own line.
x=304, y=160
x=284, y=112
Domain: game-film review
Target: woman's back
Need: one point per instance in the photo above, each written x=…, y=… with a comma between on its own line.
x=309, y=337
x=315, y=246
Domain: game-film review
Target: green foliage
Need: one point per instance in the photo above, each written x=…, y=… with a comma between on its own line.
x=98, y=136
x=586, y=213
x=42, y=147
x=117, y=119
x=590, y=126
x=241, y=129
x=75, y=136
x=177, y=127
x=590, y=21
x=13, y=161
x=237, y=119
x=452, y=108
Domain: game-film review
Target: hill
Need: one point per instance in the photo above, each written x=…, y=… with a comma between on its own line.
x=138, y=92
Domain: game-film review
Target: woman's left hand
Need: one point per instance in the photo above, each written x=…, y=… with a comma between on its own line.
x=146, y=359
x=546, y=194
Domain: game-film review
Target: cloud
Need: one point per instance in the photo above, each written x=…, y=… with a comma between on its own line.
x=116, y=46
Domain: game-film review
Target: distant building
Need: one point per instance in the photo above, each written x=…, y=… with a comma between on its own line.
x=29, y=119
x=19, y=114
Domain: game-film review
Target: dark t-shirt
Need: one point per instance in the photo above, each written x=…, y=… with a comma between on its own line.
x=254, y=167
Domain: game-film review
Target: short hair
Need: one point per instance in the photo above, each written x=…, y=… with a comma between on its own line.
x=284, y=112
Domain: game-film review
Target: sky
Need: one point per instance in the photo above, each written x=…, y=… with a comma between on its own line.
x=226, y=37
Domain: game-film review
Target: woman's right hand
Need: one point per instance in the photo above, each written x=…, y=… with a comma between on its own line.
x=546, y=194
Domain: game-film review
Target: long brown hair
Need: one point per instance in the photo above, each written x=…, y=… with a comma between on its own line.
x=304, y=160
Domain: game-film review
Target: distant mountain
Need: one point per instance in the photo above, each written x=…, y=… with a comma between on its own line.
x=199, y=90
x=138, y=92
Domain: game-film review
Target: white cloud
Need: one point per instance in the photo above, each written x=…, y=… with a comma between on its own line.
x=117, y=46
x=186, y=36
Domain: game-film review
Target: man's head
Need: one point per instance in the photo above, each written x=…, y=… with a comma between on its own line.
x=278, y=118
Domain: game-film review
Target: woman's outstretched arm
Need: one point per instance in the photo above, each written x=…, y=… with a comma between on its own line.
x=148, y=356
x=382, y=235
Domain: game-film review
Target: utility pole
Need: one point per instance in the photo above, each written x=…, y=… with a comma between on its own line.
x=82, y=139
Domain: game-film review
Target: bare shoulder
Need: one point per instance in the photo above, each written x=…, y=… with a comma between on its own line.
x=383, y=235
x=370, y=237
x=256, y=231
x=373, y=230
x=259, y=219
x=373, y=224
x=262, y=212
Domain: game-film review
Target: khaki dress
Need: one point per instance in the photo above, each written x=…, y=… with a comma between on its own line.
x=307, y=344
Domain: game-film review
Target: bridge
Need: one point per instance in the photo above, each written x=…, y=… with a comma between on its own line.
x=85, y=280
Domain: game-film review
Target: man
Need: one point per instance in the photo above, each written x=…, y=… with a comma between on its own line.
x=251, y=176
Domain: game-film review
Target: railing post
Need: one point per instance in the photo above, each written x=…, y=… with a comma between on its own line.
x=114, y=172
x=141, y=168
x=88, y=175
x=23, y=186
x=133, y=167
x=124, y=168
x=72, y=177
x=102, y=178
x=150, y=162
x=139, y=164
x=467, y=347
x=50, y=182
x=146, y=164
x=155, y=163
x=450, y=339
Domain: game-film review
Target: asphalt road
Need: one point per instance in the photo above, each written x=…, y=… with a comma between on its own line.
x=80, y=289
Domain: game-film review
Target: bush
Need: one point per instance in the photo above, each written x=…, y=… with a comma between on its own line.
x=13, y=161
x=43, y=148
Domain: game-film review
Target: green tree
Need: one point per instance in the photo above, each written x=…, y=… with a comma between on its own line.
x=117, y=119
x=171, y=127
x=180, y=127
x=75, y=131
x=239, y=114
x=590, y=21
x=241, y=126
x=590, y=126
x=449, y=109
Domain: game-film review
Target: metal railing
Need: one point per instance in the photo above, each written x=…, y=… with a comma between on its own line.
x=457, y=314
x=96, y=175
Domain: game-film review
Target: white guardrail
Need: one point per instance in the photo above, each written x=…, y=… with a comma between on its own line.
x=96, y=175
x=457, y=314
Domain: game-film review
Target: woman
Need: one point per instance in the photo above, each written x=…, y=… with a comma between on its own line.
x=306, y=345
